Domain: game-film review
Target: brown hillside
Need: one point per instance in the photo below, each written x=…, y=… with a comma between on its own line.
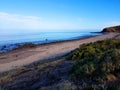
x=112, y=29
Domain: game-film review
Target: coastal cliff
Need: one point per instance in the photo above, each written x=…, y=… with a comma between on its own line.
x=111, y=29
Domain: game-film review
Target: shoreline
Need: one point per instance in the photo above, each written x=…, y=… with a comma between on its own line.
x=6, y=48
x=25, y=56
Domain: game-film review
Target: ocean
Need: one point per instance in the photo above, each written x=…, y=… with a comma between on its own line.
x=8, y=40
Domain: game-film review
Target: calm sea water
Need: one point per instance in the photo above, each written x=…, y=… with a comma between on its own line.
x=40, y=37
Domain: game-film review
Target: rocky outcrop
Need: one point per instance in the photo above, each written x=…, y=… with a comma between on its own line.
x=111, y=29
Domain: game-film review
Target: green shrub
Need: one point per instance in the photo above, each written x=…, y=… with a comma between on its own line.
x=96, y=60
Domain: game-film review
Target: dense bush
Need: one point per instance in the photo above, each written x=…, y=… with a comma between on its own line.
x=99, y=61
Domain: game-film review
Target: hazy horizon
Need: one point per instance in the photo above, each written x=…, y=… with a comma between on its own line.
x=3, y=32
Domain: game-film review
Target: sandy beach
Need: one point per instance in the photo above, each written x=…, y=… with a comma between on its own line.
x=25, y=56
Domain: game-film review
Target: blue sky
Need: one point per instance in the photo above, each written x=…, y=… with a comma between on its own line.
x=58, y=14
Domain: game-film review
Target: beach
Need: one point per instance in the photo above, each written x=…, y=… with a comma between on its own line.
x=24, y=56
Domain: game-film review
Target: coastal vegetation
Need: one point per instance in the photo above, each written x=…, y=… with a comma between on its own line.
x=98, y=61
x=92, y=66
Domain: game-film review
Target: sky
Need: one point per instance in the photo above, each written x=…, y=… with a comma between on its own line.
x=36, y=15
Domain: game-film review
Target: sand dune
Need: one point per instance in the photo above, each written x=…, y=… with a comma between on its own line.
x=26, y=56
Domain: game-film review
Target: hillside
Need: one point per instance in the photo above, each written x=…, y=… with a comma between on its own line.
x=111, y=29
x=97, y=62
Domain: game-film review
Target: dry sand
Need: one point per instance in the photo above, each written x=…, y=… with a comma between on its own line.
x=20, y=57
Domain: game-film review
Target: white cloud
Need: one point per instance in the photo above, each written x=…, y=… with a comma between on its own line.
x=13, y=21
x=17, y=18
x=113, y=23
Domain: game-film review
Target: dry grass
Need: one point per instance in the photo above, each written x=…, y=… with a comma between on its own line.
x=5, y=79
x=66, y=85
x=111, y=77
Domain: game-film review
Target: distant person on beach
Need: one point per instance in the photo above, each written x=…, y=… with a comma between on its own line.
x=46, y=40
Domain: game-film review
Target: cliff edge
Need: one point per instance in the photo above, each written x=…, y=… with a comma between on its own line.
x=111, y=29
